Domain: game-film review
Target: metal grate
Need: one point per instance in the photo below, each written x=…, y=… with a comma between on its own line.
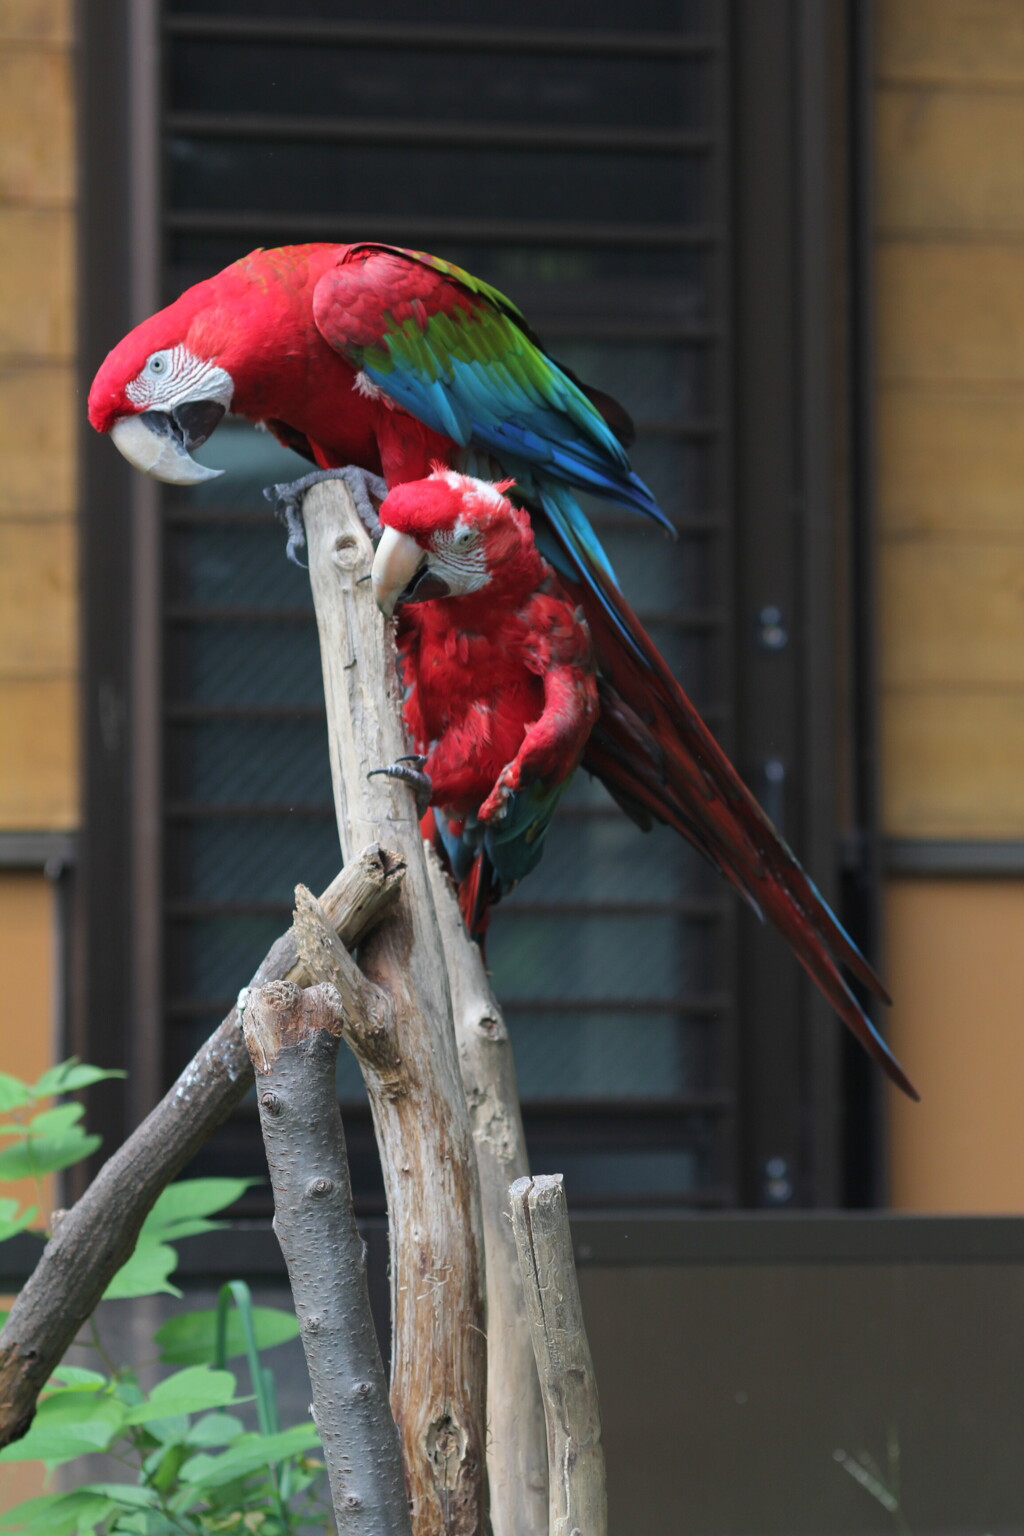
x=584, y=168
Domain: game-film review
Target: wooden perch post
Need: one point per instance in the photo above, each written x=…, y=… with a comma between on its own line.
x=99, y=1233
x=516, y=1449
x=438, y=1373
x=575, y=1458
x=293, y=1037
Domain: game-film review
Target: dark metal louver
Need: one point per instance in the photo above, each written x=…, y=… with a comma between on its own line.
x=582, y=168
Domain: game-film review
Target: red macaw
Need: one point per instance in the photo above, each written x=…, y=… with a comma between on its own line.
x=391, y=360
x=501, y=687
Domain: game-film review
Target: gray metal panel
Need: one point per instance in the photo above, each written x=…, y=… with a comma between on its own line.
x=955, y=857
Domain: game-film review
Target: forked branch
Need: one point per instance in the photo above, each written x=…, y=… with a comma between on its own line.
x=99, y=1233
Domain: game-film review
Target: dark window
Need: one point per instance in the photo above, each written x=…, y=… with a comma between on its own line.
x=592, y=165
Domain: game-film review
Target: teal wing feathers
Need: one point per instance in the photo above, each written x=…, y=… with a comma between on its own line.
x=456, y=354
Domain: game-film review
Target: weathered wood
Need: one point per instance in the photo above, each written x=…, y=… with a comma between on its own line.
x=367, y=1017
x=438, y=1376
x=292, y=1036
x=578, y=1505
x=977, y=287
x=953, y=616
x=940, y=781
x=950, y=461
x=950, y=41
x=949, y=163
x=98, y=1234
x=516, y=1449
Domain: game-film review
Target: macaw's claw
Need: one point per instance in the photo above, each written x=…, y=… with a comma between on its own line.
x=418, y=781
x=495, y=807
x=286, y=500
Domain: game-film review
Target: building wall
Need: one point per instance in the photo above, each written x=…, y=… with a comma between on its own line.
x=37, y=434
x=950, y=342
x=38, y=746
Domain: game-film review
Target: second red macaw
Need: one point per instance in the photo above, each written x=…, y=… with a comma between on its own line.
x=501, y=687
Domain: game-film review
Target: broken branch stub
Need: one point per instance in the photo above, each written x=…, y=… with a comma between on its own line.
x=99, y=1233
x=438, y=1373
x=578, y=1505
x=292, y=1036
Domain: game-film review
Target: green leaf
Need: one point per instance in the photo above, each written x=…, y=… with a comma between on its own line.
x=68, y=1424
x=190, y=1391
x=13, y=1093
x=77, y=1376
x=170, y=1430
x=46, y=1154
x=68, y=1076
x=127, y=1494
x=126, y=1388
x=250, y=1453
x=190, y=1338
x=58, y=1514
x=53, y=1122
x=215, y=1429
x=190, y=1199
x=11, y=1223
x=145, y=1273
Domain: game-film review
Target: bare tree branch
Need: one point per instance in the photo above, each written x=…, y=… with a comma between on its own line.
x=292, y=1036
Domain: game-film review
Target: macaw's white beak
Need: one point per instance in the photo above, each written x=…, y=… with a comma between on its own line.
x=158, y=442
x=395, y=566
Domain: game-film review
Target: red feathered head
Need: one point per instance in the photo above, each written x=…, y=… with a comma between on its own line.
x=449, y=536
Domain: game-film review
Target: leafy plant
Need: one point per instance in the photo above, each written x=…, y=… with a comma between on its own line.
x=194, y=1466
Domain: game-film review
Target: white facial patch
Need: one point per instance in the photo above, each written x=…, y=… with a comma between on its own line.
x=175, y=375
x=459, y=558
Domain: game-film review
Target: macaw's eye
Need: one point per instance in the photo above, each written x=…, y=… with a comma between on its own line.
x=464, y=537
x=158, y=364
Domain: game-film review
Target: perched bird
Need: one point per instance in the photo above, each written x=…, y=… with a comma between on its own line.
x=390, y=361
x=501, y=690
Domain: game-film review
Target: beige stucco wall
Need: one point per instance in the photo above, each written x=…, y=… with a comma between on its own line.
x=37, y=436
x=38, y=749
x=950, y=411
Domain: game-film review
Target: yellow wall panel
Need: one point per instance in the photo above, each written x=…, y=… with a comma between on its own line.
x=36, y=149
x=37, y=598
x=35, y=21
x=956, y=969
x=951, y=461
x=27, y=958
x=948, y=312
x=953, y=763
x=949, y=160
x=953, y=613
x=27, y=1048
x=38, y=409
x=38, y=751
x=36, y=282
x=950, y=39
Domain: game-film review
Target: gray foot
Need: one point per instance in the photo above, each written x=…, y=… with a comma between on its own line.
x=286, y=500
x=418, y=781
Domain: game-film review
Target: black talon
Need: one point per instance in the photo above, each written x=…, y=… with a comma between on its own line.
x=418, y=781
x=286, y=500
